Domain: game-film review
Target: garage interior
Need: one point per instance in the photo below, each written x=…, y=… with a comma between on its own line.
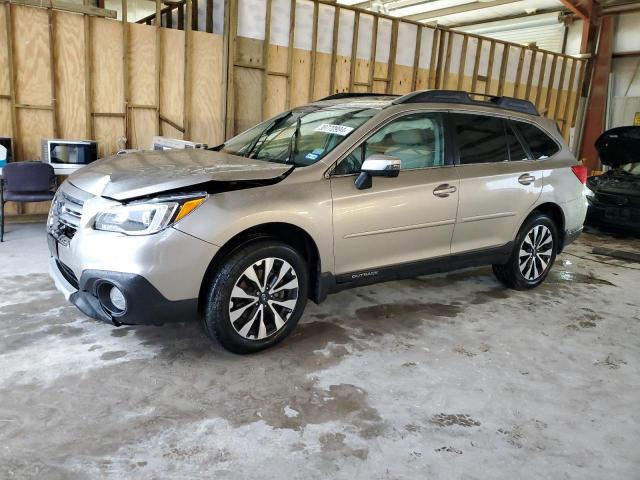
x=446, y=376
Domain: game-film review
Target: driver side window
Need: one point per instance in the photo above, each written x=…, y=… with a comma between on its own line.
x=416, y=139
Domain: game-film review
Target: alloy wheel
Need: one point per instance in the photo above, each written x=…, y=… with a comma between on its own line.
x=535, y=252
x=263, y=298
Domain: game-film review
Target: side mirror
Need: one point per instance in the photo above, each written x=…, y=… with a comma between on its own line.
x=377, y=166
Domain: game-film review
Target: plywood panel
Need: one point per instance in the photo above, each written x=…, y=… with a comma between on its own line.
x=109, y=132
x=323, y=75
x=207, y=122
x=31, y=55
x=69, y=73
x=248, y=84
x=33, y=125
x=107, y=66
x=172, y=82
x=142, y=67
x=301, y=73
x=343, y=71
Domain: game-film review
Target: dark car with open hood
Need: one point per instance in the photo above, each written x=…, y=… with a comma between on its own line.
x=614, y=196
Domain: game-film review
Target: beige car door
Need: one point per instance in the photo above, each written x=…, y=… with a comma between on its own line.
x=498, y=183
x=402, y=219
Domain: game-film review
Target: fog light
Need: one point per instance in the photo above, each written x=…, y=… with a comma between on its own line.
x=117, y=299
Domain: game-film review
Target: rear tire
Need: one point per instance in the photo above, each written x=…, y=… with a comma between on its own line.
x=534, y=252
x=256, y=297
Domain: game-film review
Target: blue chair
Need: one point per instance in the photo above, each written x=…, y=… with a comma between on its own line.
x=25, y=182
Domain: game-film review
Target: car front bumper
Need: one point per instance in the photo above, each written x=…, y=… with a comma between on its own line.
x=625, y=218
x=145, y=305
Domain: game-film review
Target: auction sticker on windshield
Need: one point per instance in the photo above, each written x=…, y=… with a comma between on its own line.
x=341, y=130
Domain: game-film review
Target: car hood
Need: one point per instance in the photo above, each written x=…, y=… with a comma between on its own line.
x=619, y=146
x=139, y=174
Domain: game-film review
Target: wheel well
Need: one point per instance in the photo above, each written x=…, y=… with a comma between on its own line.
x=287, y=233
x=557, y=215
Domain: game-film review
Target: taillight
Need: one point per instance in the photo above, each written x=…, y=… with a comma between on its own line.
x=580, y=171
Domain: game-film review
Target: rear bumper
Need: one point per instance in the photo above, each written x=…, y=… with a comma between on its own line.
x=571, y=236
x=145, y=305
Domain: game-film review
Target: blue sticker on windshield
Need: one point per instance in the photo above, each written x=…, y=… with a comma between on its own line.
x=311, y=156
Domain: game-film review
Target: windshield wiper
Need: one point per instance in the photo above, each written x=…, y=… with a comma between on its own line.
x=293, y=142
x=265, y=132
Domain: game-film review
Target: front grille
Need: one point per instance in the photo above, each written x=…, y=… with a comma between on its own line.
x=68, y=274
x=66, y=212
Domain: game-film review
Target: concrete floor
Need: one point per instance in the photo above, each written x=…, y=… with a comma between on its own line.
x=440, y=377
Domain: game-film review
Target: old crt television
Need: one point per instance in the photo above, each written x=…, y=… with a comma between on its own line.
x=71, y=154
x=5, y=151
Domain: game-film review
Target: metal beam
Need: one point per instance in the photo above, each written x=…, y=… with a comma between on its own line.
x=466, y=7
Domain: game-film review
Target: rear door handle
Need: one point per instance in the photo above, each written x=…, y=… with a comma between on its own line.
x=444, y=190
x=526, y=179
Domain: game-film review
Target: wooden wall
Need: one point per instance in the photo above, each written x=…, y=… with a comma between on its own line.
x=79, y=76
x=286, y=53
x=68, y=75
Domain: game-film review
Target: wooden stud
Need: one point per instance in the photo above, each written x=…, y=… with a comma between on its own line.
x=125, y=71
x=391, y=73
x=572, y=77
x=52, y=70
x=314, y=48
x=516, y=87
x=463, y=61
x=492, y=53
x=109, y=114
x=532, y=67
x=194, y=15
x=574, y=113
x=158, y=59
x=503, y=69
x=354, y=50
x=334, y=50
x=173, y=124
x=552, y=76
x=543, y=67
x=31, y=106
x=416, y=59
x=12, y=73
x=447, y=61
x=187, y=73
x=209, y=15
x=476, y=66
x=563, y=71
x=65, y=7
x=265, y=58
x=433, y=61
x=372, y=62
x=292, y=24
x=87, y=75
x=231, y=45
x=181, y=16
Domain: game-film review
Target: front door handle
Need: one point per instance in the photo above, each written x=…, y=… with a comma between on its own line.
x=444, y=190
x=526, y=179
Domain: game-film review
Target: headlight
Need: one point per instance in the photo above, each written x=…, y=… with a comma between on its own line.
x=148, y=216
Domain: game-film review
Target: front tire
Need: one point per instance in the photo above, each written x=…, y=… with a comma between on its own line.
x=533, y=254
x=256, y=297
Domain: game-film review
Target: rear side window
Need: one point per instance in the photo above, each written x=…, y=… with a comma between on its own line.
x=516, y=151
x=540, y=144
x=480, y=139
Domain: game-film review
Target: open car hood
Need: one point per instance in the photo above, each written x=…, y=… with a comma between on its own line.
x=139, y=174
x=619, y=146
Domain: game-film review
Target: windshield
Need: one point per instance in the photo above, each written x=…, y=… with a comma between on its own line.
x=301, y=136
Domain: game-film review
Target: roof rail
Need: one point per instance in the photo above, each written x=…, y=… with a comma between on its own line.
x=466, y=98
x=338, y=96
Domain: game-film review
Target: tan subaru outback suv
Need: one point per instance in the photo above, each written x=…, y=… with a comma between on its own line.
x=346, y=191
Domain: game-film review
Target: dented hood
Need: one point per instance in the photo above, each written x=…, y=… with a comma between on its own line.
x=140, y=174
